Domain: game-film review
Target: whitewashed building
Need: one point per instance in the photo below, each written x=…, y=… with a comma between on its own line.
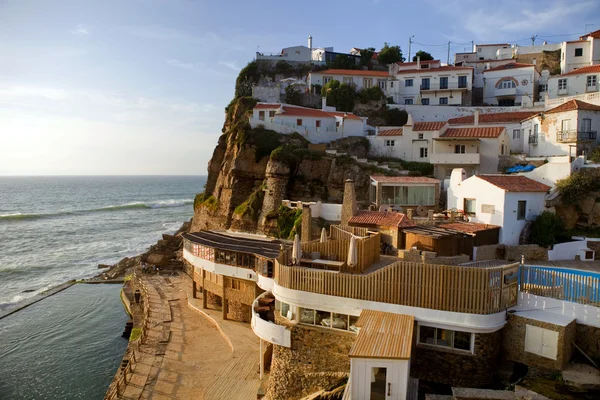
x=508, y=201
x=581, y=81
x=357, y=78
x=512, y=84
x=317, y=126
x=580, y=53
x=567, y=130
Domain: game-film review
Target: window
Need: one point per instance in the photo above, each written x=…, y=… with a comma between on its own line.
x=444, y=82
x=579, y=52
x=479, y=50
x=408, y=195
x=299, y=122
x=443, y=100
x=285, y=310
x=543, y=87
x=521, y=208
x=367, y=83
x=586, y=125
x=390, y=143
x=425, y=102
x=424, y=66
x=327, y=79
x=408, y=101
x=420, y=136
x=462, y=81
x=591, y=81
x=408, y=82
x=328, y=319
x=507, y=84
x=535, y=130
x=337, y=124
x=446, y=338
x=502, y=149
x=381, y=84
x=261, y=115
x=562, y=84
x=469, y=206
x=235, y=284
x=317, y=123
x=459, y=149
x=506, y=102
x=425, y=83
x=516, y=133
x=423, y=152
x=392, y=84
x=348, y=81
x=271, y=114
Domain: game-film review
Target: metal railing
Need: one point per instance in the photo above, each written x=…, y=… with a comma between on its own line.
x=533, y=139
x=575, y=286
x=444, y=86
x=574, y=136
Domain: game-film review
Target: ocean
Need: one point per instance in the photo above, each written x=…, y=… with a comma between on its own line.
x=54, y=229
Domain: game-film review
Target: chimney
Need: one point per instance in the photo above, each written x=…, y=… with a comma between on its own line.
x=409, y=213
x=310, y=42
x=488, y=65
x=349, y=207
x=476, y=118
x=418, y=62
x=306, y=223
x=323, y=103
x=409, y=120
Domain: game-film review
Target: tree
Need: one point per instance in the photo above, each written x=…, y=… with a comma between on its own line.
x=425, y=56
x=339, y=95
x=293, y=95
x=547, y=229
x=366, y=55
x=390, y=54
x=247, y=76
x=342, y=61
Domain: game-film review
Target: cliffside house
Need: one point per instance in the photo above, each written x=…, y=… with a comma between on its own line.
x=357, y=78
x=317, y=126
x=577, y=54
x=567, y=130
x=406, y=192
x=512, y=84
x=507, y=201
x=579, y=82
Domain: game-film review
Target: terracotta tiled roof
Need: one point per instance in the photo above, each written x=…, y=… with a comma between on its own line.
x=475, y=132
x=595, y=35
x=467, y=227
x=573, y=105
x=590, y=69
x=292, y=111
x=509, y=66
x=403, y=179
x=515, y=183
x=493, y=118
x=440, y=69
x=359, y=72
x=391, y=132
x=381, y=218
x=262, y=106
x=495, y=44
x=415, y=63
x=428, y=126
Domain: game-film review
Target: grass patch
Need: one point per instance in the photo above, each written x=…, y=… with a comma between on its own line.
x=135, y=334
x=253, y=205
x=204, y=200
x=289, y=221
x=576, y=187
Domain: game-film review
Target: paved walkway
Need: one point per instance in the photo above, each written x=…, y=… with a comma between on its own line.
x=187, y=356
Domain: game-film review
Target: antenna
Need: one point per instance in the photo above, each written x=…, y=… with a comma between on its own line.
x=533, y=39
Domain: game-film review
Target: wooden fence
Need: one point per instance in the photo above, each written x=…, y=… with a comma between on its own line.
x=440, y=287
x=576, y=286
x=344, y=232
x=368, y=249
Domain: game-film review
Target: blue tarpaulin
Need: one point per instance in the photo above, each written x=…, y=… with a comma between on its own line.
x=520, y=168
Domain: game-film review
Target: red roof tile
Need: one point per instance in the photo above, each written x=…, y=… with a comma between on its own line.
x=595, y=35
x=293, y=111
x=381, y=218
x=359, y=72
x=440, y=69
x=475, y=132
x=467, y=227
x=515, y=183
x=390, y=132
x=428, y=126
x=493, y=118
x=509, y=66
x=573, y=105
x=403, y=179
x=590, y=69
x=495, y=44
x=415, y=63
x=262, y=106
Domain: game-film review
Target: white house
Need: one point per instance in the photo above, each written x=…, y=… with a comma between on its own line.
x=581, y=81
x=317, y=126
x=567, y=130
x=580, y=53
x=355, y=77
x=430, y=83
x=508, y=201
x=290, y=54
x=511, y=121
x=510, y=84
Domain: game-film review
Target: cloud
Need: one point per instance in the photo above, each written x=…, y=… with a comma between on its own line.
x=198, y=67
x=32, y=91
x=230, y=64
x=80, y=30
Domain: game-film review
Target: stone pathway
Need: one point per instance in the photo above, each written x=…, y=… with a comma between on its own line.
x=187, y=356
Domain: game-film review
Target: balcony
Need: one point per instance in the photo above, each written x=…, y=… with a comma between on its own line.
x=436, y=87
x=502, y=92
x=533, y=139
x=268, y=330
x=575, y=136
x=455, y=158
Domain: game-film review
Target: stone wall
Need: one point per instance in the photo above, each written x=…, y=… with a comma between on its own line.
x=531, y=252
x=588, y=340
x=429, y=257
x=513, y=344
x=317, y=359
x=596, y=247
x=237, y=311
x=212, y=300
x=457, y=368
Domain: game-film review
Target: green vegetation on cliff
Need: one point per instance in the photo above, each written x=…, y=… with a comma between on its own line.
x=205, y=200
x=253, y=205
x=289, y=221
x=576, y=186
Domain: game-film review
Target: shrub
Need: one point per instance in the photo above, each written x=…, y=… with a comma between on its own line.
x=574, y=187
x=373, y=93
x=247, y=76
x=293, y=96
x=253, y=205
x=595, y=155
x=546, y=230
x=288, y=222
x=424, y=168
x=395, y=117
x=339, y=95
x=264, y=141
x=205, y=200
x=283, y=68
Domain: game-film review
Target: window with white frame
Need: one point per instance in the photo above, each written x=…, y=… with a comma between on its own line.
x=425, y=102
x=460, y=149
x=408, y=82
x=420, y=136
x=408, y=101
x=381, y=84
x=328, y=319
x=446, y=338
x=470, y=206
x=367, y=82
x=543, y=87
x=586, y=125
x=516, y=133
x=390, y=143
x=423, y=152
x=507, y=84
x=271, y=114
x=261, y=115
x=443, y=100
x=591, y=81
x=579, y=52
x=562, y=84
x=327, y=79
x=348, y=80
x=285, y=310
x=521, y=209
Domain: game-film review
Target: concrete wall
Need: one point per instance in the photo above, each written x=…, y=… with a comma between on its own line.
x=584, y=314
x=524, y=93
x=569, y=62
x=294, y=54
x=567, y=251
x=327, y=211
x=444, y=113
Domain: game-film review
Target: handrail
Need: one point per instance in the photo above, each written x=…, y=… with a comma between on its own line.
x=576, y=286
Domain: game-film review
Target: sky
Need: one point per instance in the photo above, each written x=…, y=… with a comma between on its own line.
x=138, y=87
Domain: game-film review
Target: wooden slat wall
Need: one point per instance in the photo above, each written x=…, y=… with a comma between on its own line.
x=441, y=287
x=368, y=250
x=344, y=232
x=562, y=285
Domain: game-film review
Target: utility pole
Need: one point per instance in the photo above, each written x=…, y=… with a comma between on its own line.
x=472, y=46
x=448, y=60
x=533, y=39
x=409, y=43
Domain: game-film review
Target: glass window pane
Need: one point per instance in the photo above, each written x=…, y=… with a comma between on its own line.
x=339, y=321
x=307, y=316
x=323, y=318
x=444, y=337
x=387, y=195
x=427, y=335
x=284, y=309
x=462, y=340
x=352, y=324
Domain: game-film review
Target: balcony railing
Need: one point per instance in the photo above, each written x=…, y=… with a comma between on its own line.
x=455, y=158
x=574, y=136
x=577, y=286
x=533, y=139
x=505, y=92
x=443, y=86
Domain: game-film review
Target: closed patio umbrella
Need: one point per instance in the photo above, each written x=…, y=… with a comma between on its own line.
x=352, y=253
x=296, y=251
x=323, y=235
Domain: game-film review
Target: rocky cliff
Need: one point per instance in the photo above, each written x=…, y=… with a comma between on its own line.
x=252, y=170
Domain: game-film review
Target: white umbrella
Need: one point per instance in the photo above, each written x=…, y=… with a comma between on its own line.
x=323, y=235
x=296, y=250
x=352, y=254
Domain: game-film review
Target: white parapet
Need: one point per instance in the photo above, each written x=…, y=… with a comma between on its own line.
x=269, y=331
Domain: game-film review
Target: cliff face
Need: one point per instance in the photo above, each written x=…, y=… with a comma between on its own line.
x=252, y=170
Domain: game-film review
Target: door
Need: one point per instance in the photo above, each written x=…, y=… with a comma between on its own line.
x=381, y=387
